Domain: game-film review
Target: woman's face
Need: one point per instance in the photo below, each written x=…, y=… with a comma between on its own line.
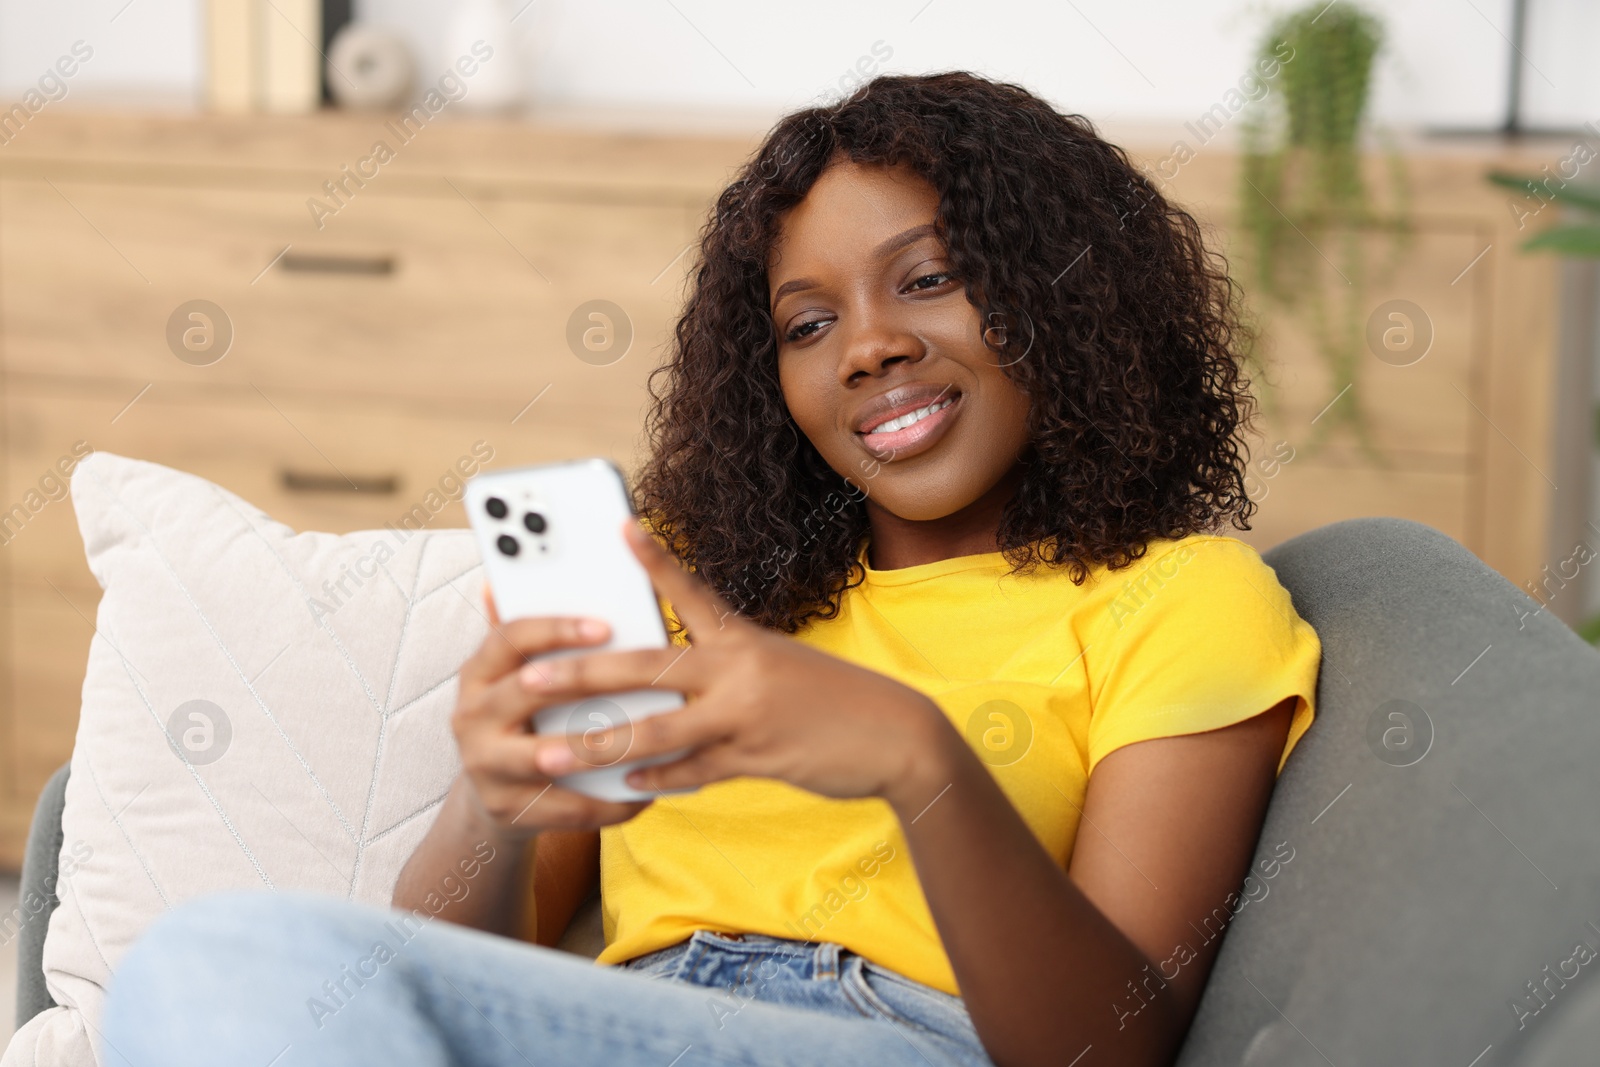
x=880, y=355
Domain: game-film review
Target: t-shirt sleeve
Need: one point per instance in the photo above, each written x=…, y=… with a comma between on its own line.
x=1199, y=635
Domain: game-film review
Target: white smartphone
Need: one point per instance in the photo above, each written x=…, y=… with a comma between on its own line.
x=552, y=544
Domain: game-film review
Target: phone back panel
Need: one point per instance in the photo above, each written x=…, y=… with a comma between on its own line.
x=570, y=559
x=578, y=564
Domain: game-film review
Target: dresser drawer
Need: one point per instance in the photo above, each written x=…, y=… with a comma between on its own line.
x=451, y=298
x=295, y=460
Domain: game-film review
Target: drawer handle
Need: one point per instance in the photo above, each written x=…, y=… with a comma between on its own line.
x=310, y=263
x=305, y=482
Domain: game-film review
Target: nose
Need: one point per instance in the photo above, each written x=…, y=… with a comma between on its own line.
x=874, y=346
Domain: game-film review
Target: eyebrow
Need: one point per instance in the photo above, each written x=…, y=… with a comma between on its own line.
x=887, y=247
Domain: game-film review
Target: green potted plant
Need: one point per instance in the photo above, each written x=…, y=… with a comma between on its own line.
x=1304, y=207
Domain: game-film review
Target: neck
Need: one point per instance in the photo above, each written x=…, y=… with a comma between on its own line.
x=898, y=542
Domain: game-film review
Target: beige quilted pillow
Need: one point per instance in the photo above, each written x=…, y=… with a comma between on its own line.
x=317, y=727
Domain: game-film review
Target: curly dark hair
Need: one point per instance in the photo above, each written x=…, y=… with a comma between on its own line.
x=1113, y=318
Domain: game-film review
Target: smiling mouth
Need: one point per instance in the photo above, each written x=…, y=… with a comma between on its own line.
x=911, y=418
x=909, y=433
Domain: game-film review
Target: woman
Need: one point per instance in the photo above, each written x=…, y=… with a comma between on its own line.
x=983, y=714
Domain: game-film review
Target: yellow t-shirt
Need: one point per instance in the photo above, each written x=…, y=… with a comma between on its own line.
x=1043, y=677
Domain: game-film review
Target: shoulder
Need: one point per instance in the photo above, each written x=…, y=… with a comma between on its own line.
x=1196, y=596
x=1219, y=550
x=1196, y=635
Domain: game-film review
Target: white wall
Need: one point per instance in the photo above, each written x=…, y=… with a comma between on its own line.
x=147, y=52
x=1116, y=61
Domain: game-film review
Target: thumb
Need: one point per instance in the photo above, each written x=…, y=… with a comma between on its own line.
x=488, y=605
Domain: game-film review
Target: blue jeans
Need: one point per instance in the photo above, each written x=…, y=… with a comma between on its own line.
x=252, y=978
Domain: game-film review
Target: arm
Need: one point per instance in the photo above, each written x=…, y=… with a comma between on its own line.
x=504, y=825
x=566, y=872
x=1167, y=832
x=564, y=867
x=458, y=836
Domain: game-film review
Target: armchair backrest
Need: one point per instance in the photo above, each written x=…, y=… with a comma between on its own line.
x=1443, y=894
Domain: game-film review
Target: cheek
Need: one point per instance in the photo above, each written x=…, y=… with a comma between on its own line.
x=1007, y=405
x=1007, y=410
x=1017, y=409
x=808, y=398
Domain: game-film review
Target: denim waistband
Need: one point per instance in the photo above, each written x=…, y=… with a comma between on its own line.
x=819, y=976
x=804, y=959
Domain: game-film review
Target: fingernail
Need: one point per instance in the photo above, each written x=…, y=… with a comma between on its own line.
x=532, y=675
x=555, y=758
x=592, y=629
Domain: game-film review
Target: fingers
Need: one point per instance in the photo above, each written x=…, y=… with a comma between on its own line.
x=522, y=801
x=554, y=808
x=508, y=644
x=520, y=693
x=507, y=757
x=703, y=766
x=690, y=727
x=571, y=677
x=488, y=606
x=525, y=809
x=700, y=609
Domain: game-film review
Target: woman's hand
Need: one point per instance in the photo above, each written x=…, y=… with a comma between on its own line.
x=491, y=724
x=759, y=704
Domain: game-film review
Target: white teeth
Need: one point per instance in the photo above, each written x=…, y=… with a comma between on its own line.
x=913, y=417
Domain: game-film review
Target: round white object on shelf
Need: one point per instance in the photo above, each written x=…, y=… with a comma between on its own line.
x=369, y=67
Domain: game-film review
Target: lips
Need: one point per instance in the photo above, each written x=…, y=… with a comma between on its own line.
x=907, y=420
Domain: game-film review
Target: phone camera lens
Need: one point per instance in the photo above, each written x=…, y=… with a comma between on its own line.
x=495, y=507
x=534, y=522
x=508, y=545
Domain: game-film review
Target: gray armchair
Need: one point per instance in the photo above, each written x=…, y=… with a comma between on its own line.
x=1432, y=882
x=1444, y=866
x=39, y=865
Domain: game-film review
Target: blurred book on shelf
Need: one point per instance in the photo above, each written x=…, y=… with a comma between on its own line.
x=263, y=55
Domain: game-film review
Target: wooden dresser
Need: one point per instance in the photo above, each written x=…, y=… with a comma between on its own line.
x=430, y=313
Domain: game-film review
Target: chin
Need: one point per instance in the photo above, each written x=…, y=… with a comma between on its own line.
x=916, y=500
x=919, y=511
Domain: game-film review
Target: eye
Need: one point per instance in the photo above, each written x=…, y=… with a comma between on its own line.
x=938, y=278
x=803, y=330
